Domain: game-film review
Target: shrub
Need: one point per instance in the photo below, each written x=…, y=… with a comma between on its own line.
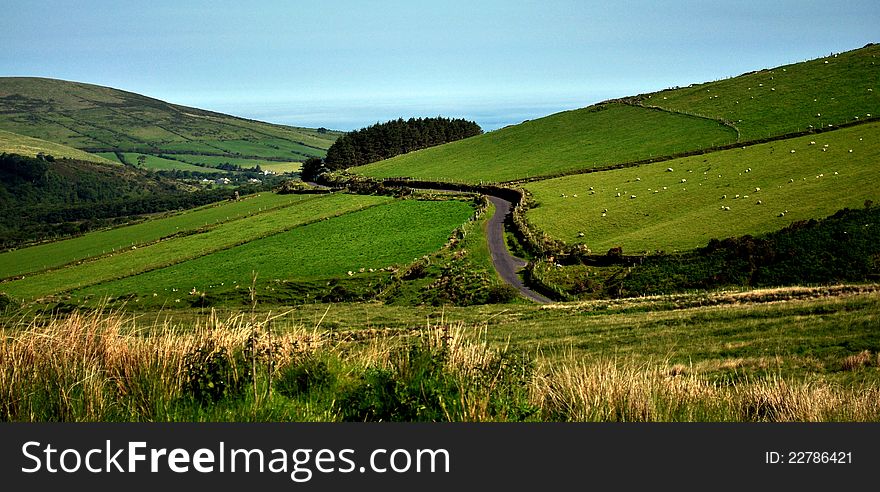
x=301, y=377
x=212, y=374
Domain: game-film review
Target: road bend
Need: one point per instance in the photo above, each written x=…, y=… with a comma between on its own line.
x=507, y=265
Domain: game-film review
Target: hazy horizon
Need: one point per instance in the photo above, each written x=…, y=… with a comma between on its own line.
x=350, y=64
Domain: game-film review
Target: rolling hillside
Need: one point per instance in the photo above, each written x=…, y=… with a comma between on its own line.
x=683, y=203
x=101, y=119
x=833, y=90
x=13, y=143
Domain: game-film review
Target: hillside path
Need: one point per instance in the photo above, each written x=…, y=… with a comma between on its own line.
x=505, y=263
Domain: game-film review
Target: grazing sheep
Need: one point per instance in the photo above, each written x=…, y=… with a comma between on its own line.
x=638, y=179
x=792, y=151
x=604, y=214
x=781, y=214
x=850, y=151
x=574, y=196
x=656, y=191
x=735, y=197
x=757, y=190
x=723, y=197
x=604, y=210
x=791, y=180
x=812, y=142
x=759, y=202
x=591, y=188
x=632, y=197
x=683, y=180
x=580, y=234
x=835, y=173
x=618, y=194
x=668, y=169
x=664, y=187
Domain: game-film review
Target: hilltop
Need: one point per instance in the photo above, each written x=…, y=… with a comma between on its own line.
x=114, y=122
x=824, y=93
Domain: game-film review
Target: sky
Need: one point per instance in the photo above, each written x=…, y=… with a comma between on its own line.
x=347, y=64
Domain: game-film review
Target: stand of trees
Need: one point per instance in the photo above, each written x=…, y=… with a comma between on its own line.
x=385, y=140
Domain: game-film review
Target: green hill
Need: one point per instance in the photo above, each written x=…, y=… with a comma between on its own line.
x=13, y=143
x=648, y=208
x=831, y=90
x=101, y=119
x=769, y=103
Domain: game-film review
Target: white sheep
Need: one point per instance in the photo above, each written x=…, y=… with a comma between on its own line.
x=792, y=151
x=632, y=197
x=735, y=197
x=618, y=194
x=759, y=202
x=723, y=197
x=668, y=169
x=638, y=179
x=757, y=190
x=683, y=180
x=791, y=180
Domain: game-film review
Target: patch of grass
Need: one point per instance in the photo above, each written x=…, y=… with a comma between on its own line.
x=226, y=235
x=55, y=254
x=12, y=143
x=160, y=164
x=581, y=139
x=356, y=242
x=669, y=215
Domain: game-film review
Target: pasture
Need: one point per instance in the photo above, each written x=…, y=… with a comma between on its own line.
x=352, y=244
x=161, y=164
x=13, y=143
x=717, y=195
x=59, y=253
x=831, y=90
x=580, y=139
x=164, y=253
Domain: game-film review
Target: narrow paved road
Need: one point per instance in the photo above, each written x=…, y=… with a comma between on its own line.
x=507, y=264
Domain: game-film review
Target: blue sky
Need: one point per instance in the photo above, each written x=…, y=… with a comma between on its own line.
x=344, y=64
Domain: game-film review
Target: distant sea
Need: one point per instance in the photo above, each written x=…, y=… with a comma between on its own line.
x=351, y=115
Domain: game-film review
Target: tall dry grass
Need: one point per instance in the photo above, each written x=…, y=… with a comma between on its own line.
x=104, y=367
x=94, y=366
x=623, y=391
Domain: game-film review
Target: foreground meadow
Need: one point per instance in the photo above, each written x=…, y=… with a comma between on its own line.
x=781, y=355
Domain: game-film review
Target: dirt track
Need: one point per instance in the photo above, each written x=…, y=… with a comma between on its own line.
x=506, y=264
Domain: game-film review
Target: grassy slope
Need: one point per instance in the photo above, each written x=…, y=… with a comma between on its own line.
x=377, y=237
x=762, y=104
x=687, y=215
x=829, y=90
x=164, y=253
x=60, y=253
x=13, y=143
x=89, y=116
x=579, y=139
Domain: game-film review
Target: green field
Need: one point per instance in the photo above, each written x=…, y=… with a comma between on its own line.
x=669, y=215
x=55, y=254
x=162, y=164
x=581, y=139
x=164, y=253
x=391, y=234
x=213, y=160
x=13, y=143
x=831, y=90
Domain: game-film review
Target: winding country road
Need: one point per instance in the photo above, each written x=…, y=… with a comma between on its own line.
x=505, y=263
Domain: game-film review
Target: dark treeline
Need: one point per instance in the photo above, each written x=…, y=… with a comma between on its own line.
x=385, y=140
x=47, y=198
